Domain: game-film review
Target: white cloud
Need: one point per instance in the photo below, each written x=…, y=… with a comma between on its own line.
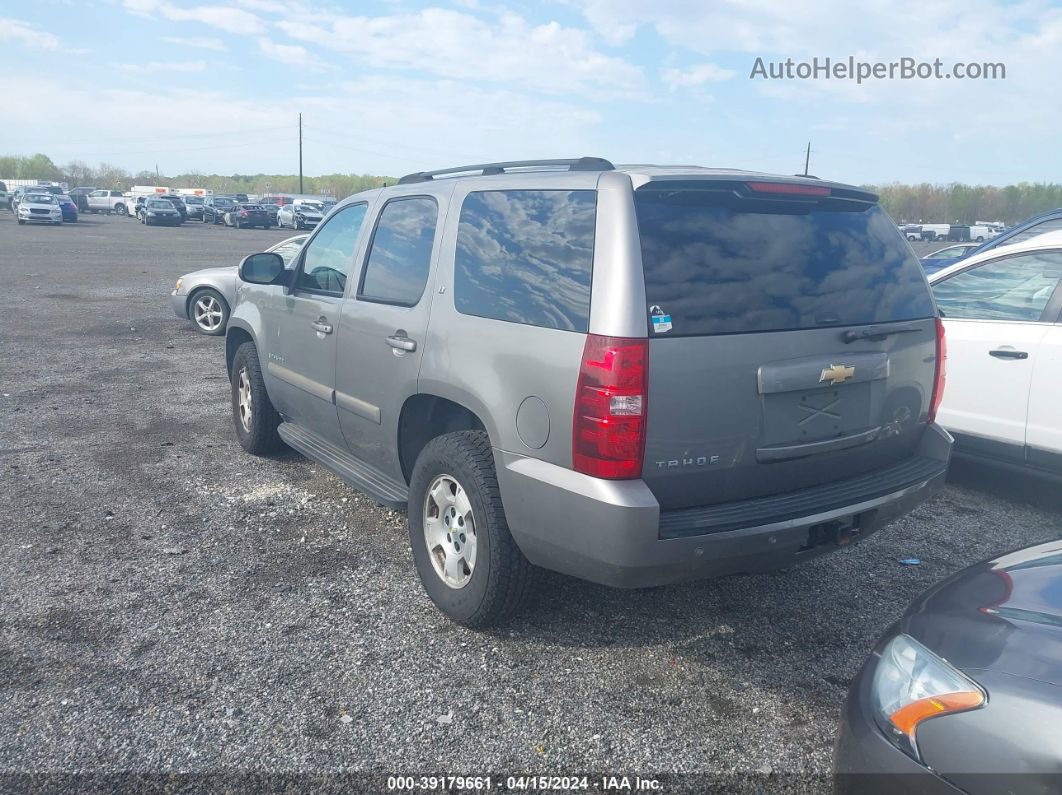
x=231, y=20
x=162, y=66
x=549, y=57
x=198, y=42
x=695, y=75
x=24, y=33
x=291, y=54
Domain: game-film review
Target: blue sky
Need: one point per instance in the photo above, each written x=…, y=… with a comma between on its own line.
x=393, y=87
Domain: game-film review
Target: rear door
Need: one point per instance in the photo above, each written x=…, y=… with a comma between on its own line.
x=995, y=313
x=792, y=339
x=381, y=335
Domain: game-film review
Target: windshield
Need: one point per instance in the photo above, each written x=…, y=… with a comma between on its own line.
x=160, y=204
x=309, y=207
x=716, y=265
x=194, y=200
x=224, y=202
x=39, y=198
x=250, y=207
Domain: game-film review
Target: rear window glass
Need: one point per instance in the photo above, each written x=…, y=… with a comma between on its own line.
x=526, y=256
x=718, y=265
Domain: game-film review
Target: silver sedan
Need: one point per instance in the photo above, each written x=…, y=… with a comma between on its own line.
x=205, y=297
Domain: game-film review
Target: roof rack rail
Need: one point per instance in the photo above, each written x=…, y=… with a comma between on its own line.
x=486, y=169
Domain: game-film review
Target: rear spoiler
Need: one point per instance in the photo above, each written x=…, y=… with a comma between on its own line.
x=766, y=189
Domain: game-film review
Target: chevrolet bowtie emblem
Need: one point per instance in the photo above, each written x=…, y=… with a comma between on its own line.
x=836, y=374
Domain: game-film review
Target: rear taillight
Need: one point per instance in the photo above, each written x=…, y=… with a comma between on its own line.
x=790, y=188
x=941, y=373
x=608, y=433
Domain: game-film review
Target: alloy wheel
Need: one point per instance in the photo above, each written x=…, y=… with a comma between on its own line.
x=450, y=531
x=246, y=404
x=208, y=312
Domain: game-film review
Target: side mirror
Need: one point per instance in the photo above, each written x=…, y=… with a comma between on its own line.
x=267, y=268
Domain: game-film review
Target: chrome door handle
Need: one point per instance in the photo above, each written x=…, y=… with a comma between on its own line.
x=321, y=326
x=1004, y=353
x=402, y=342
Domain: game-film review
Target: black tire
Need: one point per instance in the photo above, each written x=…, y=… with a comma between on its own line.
x=119, y=209
x=21, y=222
x=501, y=580
x=261, y=438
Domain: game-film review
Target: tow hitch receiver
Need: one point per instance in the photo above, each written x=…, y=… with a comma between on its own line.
x=839, y=532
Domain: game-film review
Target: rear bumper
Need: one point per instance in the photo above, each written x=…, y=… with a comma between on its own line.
x=610, y=531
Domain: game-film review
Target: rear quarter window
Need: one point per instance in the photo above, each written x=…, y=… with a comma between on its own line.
x=526, y=256
x=716, y=265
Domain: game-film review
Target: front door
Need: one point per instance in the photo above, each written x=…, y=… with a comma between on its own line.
x=993, y=315
x=381, y=334
x=301, y=360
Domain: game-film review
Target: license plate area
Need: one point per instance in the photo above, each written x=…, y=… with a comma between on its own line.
x=837, y=532
x=817, y=414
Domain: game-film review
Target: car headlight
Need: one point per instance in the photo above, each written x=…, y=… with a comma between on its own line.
x=177, y=287
x=912, y=684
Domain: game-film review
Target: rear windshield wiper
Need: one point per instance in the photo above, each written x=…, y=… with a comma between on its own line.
x=876, y=332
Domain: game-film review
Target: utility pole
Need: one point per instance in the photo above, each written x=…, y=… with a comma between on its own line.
x=300, y=153
x=807, y=159
x=156, y=174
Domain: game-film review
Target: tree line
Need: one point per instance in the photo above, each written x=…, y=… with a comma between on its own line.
x=966, y=204
x=924, y=203
x=77, y=174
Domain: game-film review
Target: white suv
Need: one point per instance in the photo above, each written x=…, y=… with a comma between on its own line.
x=1002, y=311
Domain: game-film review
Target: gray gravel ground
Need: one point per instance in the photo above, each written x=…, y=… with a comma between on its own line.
x=169, y=603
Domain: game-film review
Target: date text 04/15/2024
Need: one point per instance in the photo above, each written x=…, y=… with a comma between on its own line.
x=524, y=783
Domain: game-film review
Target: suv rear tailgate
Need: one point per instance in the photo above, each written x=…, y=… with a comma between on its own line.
x=762, y=379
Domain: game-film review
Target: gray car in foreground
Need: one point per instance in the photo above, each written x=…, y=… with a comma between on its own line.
x=964, y=692
x=206, y=296
x=636, y=375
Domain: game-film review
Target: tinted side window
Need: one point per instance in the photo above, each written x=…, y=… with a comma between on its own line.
x=527, y=257
x=397, y=267
x=1014, y=288
x=1052, y=225
x=715, y=264
x=329, y=255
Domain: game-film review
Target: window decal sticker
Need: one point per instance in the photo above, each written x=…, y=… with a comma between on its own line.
x=661, y=320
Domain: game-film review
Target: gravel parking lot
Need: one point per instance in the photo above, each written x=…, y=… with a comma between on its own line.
x=169, y=603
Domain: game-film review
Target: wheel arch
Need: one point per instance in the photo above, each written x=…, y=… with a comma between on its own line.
x=235, y=336
x=424, y=417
